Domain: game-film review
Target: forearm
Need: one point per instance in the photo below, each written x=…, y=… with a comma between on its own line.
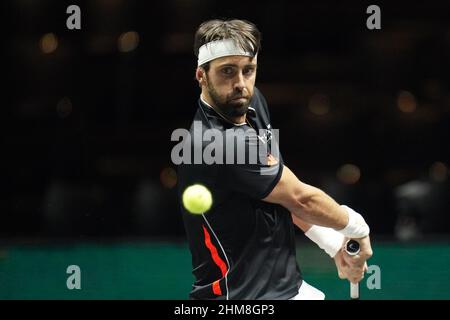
x=315, y=207
x=304, y=226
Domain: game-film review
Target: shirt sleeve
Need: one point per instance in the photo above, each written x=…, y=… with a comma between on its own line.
x=256, y=180
x=253, y=180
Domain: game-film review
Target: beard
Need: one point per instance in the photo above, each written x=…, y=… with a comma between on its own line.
x=233, y=105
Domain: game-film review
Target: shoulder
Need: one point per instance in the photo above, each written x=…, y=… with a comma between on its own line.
x=259, y=102
x=259, y=96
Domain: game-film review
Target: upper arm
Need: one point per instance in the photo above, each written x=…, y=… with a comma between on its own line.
x=252, y=172
x=256, y=181
x=290, y=192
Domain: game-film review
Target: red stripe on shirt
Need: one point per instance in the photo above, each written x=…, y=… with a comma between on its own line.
x=217, y=260
x=216, y=288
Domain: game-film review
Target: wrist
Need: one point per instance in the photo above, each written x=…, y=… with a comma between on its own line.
x=356, y=226
x=326, y=238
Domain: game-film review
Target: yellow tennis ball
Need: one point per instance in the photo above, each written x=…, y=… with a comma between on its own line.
x=197, y=199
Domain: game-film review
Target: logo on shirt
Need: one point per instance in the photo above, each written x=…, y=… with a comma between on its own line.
x=265, y=134
x=237, y=145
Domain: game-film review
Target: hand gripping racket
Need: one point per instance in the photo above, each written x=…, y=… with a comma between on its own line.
x=352, y=248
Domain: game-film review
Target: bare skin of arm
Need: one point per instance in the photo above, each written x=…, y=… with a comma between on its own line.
x=306, y=202
x=311, y=206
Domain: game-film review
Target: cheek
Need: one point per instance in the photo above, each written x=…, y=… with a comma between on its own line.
x=218, y=82
x=223, y=86
x=251, y=85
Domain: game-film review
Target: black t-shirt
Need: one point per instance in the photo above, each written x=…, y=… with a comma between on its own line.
x=242, y=248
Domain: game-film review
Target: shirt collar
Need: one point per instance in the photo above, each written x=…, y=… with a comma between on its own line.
x=251, y=111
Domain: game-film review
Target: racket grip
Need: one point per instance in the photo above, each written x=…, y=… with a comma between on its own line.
x=352, y=248
x=354, y=291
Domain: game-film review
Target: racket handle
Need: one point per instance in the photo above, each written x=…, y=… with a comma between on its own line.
x=354, y=291
x=352, y=248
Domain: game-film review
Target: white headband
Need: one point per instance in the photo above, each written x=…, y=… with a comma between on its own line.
x=220, y=48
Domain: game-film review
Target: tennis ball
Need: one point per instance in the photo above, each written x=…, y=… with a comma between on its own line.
x=197, y=199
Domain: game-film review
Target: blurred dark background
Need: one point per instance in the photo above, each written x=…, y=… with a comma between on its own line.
x=88, y=114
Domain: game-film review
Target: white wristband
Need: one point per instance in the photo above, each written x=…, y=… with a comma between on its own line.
x=326, y=238
x=356, y=226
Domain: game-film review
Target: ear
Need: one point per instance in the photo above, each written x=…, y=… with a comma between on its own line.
x=200, y=75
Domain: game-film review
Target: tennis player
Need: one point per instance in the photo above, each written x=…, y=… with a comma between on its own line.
x=244, y=246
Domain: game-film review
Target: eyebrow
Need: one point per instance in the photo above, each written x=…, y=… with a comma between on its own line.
x=235, y=65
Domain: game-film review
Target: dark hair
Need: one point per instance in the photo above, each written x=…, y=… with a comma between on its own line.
x=245, y=34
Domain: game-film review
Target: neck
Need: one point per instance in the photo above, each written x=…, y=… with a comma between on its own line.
x=234, y=120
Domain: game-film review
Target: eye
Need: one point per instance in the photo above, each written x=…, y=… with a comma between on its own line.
x=249, y=71
x=227, y=71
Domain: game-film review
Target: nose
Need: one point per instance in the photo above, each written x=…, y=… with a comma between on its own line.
x=239, y=84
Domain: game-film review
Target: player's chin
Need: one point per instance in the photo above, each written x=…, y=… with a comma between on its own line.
x=239, y=106
x=239, y=101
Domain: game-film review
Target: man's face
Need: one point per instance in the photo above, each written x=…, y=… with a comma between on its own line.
x=230, y=84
